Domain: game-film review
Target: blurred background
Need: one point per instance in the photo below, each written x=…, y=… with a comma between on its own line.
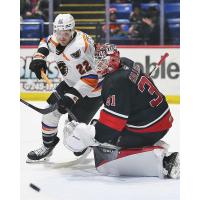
x=122, y=22
x=143, y=31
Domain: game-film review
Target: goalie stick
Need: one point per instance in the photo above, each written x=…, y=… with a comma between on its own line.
x=159, y=63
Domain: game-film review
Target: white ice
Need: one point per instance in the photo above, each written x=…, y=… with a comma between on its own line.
x=82, y=182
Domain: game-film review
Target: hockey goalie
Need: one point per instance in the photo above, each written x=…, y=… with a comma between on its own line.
x=126, y=138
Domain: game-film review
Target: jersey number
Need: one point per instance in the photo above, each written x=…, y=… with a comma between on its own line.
x=151, y=89
x=111, y=101
x=84, y=67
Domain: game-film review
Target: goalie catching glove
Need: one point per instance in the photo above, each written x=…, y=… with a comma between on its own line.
x=78, y=136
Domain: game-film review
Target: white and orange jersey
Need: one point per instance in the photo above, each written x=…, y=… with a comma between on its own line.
x=76, y=63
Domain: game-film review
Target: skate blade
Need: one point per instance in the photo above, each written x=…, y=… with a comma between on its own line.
x=37, y=161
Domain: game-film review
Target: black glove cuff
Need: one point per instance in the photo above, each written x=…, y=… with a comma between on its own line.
x=44, y=51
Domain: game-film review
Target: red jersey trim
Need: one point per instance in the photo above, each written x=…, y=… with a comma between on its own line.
x=163, y=124
x=128, y=152
x=112, y=121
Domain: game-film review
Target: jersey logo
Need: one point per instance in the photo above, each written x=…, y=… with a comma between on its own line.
x=111, y=101
x=76, y=54
x=60, y=21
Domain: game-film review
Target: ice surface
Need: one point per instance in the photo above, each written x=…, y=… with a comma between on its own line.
x=82, y=182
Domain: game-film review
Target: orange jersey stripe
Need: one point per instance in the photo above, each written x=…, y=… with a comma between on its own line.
x=96, y=89
x=66, y=57
x=86, y=42
x=91, y=82
x=43, y=40
x=53, y=42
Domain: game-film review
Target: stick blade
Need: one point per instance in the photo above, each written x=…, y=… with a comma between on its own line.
x=51, y=108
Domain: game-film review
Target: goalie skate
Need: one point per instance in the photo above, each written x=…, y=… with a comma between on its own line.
x=171, y=165
x=41, y=154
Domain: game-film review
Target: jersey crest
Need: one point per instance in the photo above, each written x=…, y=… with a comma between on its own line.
x=76, y=54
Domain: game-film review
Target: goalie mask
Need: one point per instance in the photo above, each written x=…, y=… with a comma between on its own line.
x=64, y=26
x=107, y=59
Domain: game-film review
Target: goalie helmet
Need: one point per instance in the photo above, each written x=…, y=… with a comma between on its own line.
x=107, y=59
x=64, y=22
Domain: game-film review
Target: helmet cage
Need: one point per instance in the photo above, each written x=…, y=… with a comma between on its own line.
x=107, y=59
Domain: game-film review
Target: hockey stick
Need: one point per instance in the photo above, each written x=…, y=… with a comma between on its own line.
x=159, y=63
x=51, y=108
x=44, y=76
x=47, y=110
x=80, y=160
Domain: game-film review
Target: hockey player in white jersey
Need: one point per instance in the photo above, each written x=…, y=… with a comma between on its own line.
x=74, y=54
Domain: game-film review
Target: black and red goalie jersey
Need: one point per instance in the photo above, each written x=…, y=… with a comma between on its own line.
x=132, y=104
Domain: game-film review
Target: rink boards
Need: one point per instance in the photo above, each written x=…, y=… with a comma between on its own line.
x=166, y=77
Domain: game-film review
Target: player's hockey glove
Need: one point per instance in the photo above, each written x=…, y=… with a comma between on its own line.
x=67, y=101
x=37, y=65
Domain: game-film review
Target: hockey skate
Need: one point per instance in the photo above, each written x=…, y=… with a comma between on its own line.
x=171, y=166
x=41, y=154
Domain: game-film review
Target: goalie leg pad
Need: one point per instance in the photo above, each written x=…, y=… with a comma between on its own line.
x=137, y=162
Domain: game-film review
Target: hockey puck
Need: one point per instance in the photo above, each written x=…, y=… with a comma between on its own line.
x=34, y=187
